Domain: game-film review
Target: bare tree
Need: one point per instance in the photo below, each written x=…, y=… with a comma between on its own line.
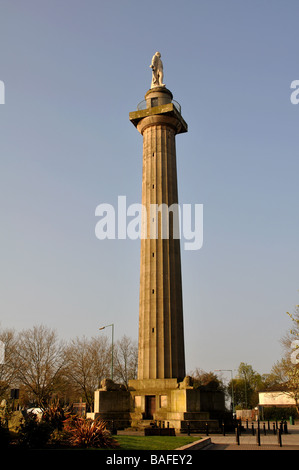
x=40, y=360
x=125, y=360
x=88, y=362
x=44, y=367
x=289, y=365
x=206, y=380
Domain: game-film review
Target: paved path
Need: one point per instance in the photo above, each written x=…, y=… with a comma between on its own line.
x=247, y=441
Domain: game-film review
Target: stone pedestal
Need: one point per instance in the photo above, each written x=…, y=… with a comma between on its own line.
x=165, y=402
x=174, y=404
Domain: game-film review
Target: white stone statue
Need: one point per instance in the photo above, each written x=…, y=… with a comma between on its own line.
x=157, y=68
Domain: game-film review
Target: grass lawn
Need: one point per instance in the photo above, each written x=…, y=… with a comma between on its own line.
x=153, y=442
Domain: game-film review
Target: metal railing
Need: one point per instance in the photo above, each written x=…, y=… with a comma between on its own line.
x=143, y=105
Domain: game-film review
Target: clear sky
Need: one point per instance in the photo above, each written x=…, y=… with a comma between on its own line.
x=73, y=70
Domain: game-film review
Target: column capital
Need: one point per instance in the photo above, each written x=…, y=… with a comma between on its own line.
x=161, y=113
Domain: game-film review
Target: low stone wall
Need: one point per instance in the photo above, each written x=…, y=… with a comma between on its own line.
x=197, y=445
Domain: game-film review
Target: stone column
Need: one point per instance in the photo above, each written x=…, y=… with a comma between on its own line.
x=161, y=330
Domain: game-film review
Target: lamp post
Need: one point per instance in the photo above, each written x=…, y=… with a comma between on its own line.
x=102, y=328
x=245, y=381
x=229, y=370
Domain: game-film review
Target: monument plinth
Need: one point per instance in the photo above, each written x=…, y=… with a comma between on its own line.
x=162, y=392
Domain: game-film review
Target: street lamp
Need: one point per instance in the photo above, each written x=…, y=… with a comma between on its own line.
x=229, y=370
x=245, y=382
x=102, y=328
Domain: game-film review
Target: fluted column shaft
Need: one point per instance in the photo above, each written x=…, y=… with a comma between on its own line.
x=161, y=331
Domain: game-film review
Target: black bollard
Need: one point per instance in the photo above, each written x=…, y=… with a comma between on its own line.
x=237, y=436
x=274, y=430
x=258, y=437
x=239, y=427
x=279, y=438
x=264, y=428
x=285, y=427
x=246, y=424
x=252, y=428
x=114, y=430
x=223, y=428
x=268, y=425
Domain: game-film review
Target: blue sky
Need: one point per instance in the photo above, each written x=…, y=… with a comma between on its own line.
x=73, y=71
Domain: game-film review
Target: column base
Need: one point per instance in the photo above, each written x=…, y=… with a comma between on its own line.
x=165, y=403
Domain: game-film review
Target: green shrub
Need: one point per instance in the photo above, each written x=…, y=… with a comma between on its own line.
x=4, y=436
x=59, y=438
x=273, y=413
x=55, y=416
x=34, y=433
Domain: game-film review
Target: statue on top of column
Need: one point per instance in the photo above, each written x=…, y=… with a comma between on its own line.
x=157, y=69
